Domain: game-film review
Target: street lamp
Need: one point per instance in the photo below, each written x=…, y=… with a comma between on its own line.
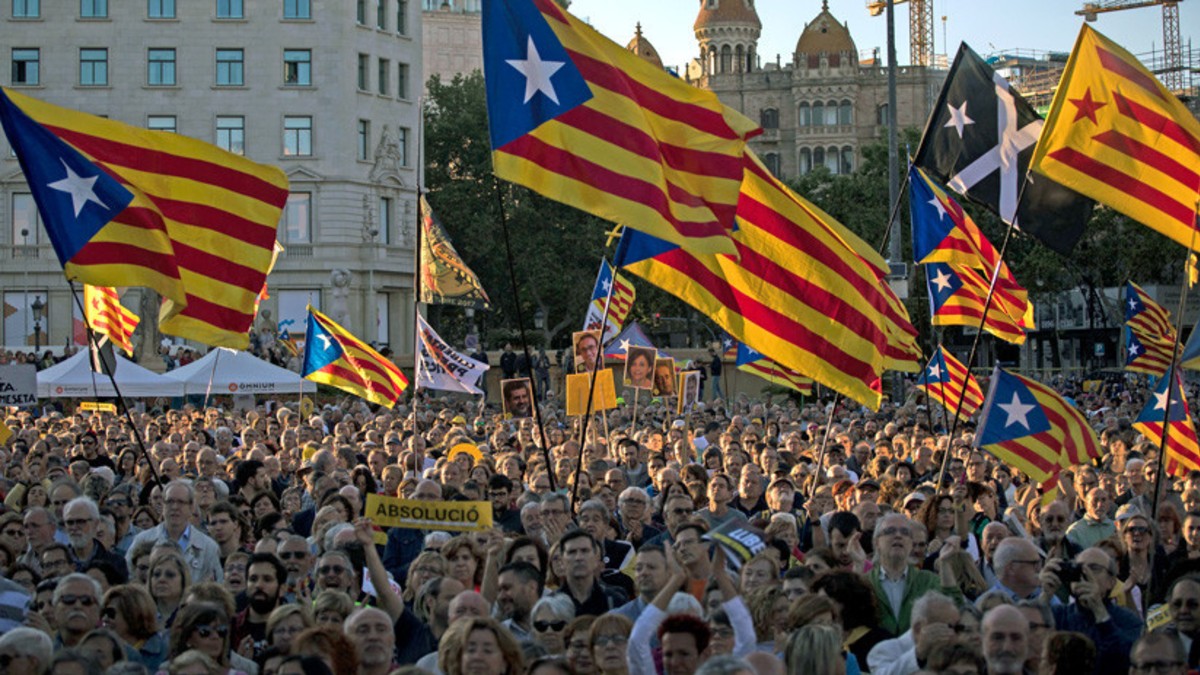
x=38, y=308
x=539, y=319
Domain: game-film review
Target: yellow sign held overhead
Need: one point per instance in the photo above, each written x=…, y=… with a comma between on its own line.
x=429, y=515
x=94, y=406
x=604, y=397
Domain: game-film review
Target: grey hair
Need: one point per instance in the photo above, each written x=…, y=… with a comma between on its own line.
x=88, y=503
x=31, y=642
x=530, y=506
x=724, y=664
x=1006, y=552
x=926, y=604
x=332, y=533
x=685, y=603
x=559, y=604
x=127, y=668
x=1041, y=607
x=437, y=538
x=557, y=497
x=77, y=576
x=597, y=506
x=879, y=526
x=631, y=491
x=184, y=483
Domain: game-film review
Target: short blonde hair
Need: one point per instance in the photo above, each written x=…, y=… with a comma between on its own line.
x=454, y=641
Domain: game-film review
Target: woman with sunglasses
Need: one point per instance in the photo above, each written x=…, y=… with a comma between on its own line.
x=203, y=626
x=550, y=617
x=129, y=611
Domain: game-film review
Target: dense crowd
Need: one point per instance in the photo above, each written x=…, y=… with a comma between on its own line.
x=239, y=543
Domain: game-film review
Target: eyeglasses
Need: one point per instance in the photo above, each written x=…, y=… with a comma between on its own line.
x=1156, y=666
x=77, y=522
x=331, y=569
x=14, y=532
x=1189, y=604
x=177, y=502
x=293, y=555
x=896, y=531
x=109, y=613
x=206, y=631
x=543, y=626
x=1137, y=529
x=85, y=600
x=605, y=640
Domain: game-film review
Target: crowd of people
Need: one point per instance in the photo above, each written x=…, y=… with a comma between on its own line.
x=751, y=536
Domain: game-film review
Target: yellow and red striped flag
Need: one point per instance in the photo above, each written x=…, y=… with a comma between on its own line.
x=1150, y=354
x=1117, y=135
x=623, y=297
x=131, y=207
x=106, y=315
x=335, y=357
x=582, y=120
x=958, y=296
x=1183, y=450
x=1145, y=315
x=752, y=362
x=947, y=381
x=804, y=291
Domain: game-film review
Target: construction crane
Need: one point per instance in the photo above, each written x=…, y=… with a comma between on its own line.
x=920, y=27
x=1172, y=72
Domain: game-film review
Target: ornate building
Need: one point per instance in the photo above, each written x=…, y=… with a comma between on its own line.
x=820, y=109
x=452, y=38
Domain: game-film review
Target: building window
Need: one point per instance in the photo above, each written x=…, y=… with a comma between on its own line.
x=26, y=66
x=297, y=67
x=93, y=9
x=385, y=76
x=363, y=65
x=726, y=59
x=381, y=15
x=385, y=220
x=364, y=139
x=402, y=80
x=230, y=68
x=805, y=115
x=846, y=113
x=360, y=13
x=93, y=67
x=297, y=9
x=26, y=224
x=297, y=219
x=847, y=159
x=881, y=115
x=831, y=114
x=27, y=9
x=402, y=17
x=818, y=158
x=297, y=136
x=818, y=114
x=161, y=68
x=771, y=160
x=832, y=160
x=403, y=138
x=231, y=134
x=805, y=161
x=161, y=123
x=769, y=118
x=230, y=9
x=161, y=9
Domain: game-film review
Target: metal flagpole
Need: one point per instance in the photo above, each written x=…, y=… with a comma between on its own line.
x=418, y=240
x=93, y=344
x=592, y=380
x=837, y=398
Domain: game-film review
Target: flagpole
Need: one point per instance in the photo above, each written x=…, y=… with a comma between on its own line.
x=418, y=240
x=212, y=374
x=512, y=279
x=93, y=344
x=612, y=285
x=837, y=397
x=1162, y=446
x=635, y=403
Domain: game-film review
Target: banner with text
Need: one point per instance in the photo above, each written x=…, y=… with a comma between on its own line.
x=429, y=515
x=18, y=385
x=441, y=367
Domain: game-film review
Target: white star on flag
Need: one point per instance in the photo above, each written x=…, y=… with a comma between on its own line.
x=941, y=209
x=1133, y=305
x=942, y=281
x=1160, y=400
x=1133, y=351
x=935, y=372
x=625, y=345
x=326, y=340
x=1017, y=412
x=605, y=285
x=958, y=118
x=82, y=190
x=537, y=73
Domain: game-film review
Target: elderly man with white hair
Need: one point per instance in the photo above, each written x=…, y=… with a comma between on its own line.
x=634, y=509
x=370, y=630
x=25, y=651
x=934, y=619
x=898, y=583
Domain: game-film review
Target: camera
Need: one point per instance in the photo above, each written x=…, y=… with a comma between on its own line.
x=1070, y=572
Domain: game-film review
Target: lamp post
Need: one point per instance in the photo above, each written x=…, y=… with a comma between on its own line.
x=38, y=308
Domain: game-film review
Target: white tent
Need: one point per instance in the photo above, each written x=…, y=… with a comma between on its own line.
x=74, y=378
x=227, y=371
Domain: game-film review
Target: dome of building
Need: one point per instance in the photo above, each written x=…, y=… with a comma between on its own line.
x=825, y=35
x=716, y=12
x=641, y=46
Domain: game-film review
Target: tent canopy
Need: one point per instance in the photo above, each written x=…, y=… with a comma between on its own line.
x=73, y=378
x=234, y=372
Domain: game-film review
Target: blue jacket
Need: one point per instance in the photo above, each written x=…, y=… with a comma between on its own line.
x=1113, y=638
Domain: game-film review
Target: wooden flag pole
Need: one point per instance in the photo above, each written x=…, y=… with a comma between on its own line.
x=635, y=406
x=1162, y=446
x=94, y=345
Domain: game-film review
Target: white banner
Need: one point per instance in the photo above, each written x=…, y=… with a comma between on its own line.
x=18, y=385
x=441, y=367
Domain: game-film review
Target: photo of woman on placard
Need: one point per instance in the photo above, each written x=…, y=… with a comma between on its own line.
x=639, y=367
x=664, y=377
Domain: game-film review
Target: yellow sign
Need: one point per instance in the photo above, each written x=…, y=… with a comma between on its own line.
x=93, y=406
x=1158, y=617
x=604, y=397
x=5, y=433
x=429, y=515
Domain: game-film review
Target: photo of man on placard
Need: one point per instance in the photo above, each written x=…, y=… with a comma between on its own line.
x=689, y=384
x=664, y=377
x=587, y=349
x=517, y=397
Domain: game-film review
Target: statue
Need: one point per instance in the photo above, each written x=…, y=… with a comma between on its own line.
x=339, y=309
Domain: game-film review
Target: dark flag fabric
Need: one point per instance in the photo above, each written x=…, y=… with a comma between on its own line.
x=979, y=140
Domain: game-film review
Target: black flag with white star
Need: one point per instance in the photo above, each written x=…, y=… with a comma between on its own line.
x=979, y=141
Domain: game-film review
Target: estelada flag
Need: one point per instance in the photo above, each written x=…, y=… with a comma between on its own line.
x=445, y=278
x=106, y=315
x=1146, y=315
x=958, y=297
x=947, y=381
x=752, y=362
x=124, y=206
x=1168, y=410
x=584, y=121
x=1146, y=353
x=335, y=357
x=623, y=295
x=1117, y=135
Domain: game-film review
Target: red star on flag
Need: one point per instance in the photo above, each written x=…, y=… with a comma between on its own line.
x=1086, y=107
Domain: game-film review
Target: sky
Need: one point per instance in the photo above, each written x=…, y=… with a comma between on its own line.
x=989, y=26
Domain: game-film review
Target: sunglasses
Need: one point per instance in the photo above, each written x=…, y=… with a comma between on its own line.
x=206, y=631
x=85, y=600
x=109, y=613
x=543, y=626
x=331, y=569
x=292, y=555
